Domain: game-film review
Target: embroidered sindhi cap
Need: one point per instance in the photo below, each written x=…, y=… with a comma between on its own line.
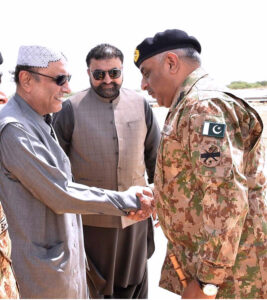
x=38, y=56
x=163, y=41
x=1, y=58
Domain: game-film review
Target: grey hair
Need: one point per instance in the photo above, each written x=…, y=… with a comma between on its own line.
x=189, y=54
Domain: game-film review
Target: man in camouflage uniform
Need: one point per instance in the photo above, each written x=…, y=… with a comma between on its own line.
x=210, y=184
x=8, y=286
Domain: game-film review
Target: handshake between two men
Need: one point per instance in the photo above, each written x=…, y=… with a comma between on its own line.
x=147, y=204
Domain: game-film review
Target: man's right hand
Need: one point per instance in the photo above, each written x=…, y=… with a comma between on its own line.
x=147, y=205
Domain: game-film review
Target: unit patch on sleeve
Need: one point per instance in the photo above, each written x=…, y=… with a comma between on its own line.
x=213, y=129
x=210, y=156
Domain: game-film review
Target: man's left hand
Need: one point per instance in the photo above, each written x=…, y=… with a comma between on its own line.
x=193, y=291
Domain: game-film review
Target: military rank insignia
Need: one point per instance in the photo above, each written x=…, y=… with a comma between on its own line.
x=216, y=130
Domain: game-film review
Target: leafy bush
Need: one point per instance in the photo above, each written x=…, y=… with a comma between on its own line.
x=246, y=85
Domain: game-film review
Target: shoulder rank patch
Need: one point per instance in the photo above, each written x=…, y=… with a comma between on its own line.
x=213, y=129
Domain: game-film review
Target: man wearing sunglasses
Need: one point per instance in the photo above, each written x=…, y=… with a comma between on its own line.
x=42, y=204
x=111, y=137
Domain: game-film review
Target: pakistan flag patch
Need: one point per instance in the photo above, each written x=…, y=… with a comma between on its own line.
x=213, y=129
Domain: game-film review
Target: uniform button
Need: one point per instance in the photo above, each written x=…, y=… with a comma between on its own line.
x=111, y=122
x=114, y=137
x=116, y=152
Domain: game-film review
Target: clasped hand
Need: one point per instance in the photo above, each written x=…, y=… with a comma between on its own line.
x=147, y=206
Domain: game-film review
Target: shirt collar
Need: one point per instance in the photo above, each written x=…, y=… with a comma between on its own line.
x=187, y=85
x=30, y=113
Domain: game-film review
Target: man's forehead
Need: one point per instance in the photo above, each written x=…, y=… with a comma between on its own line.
x=148, y=63
x=105, y=62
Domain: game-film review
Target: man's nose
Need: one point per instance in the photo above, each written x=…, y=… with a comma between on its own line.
x=144, y=84
x=107, y=78
x=66, y=88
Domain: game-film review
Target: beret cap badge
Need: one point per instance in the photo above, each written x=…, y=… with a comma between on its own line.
x=136, y=55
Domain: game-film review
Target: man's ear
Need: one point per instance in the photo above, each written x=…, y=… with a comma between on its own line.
x=173, y=62
x=25, y=80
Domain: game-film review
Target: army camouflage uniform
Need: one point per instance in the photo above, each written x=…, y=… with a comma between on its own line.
x=210, y=191
x=8, y=285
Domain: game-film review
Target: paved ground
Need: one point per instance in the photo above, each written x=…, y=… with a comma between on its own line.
x=155, y=263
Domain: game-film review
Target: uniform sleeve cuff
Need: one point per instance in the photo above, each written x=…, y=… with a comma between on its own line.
x=211, y=274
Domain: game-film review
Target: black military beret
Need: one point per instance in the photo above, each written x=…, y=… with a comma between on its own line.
x=164, y=41
x=1, y=58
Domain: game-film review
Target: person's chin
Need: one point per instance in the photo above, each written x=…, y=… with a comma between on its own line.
x=108, y=94
x=159, y=100
x=57, y=107
x=60, y=99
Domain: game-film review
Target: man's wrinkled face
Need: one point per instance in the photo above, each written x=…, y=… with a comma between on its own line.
x=156, y=80
x=46, y=94
x=106, y=77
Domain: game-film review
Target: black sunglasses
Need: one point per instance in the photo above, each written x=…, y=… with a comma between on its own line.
x=59, y=80
x=100, y=74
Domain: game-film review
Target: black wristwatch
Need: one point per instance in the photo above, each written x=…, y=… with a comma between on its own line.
x=208, y=289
